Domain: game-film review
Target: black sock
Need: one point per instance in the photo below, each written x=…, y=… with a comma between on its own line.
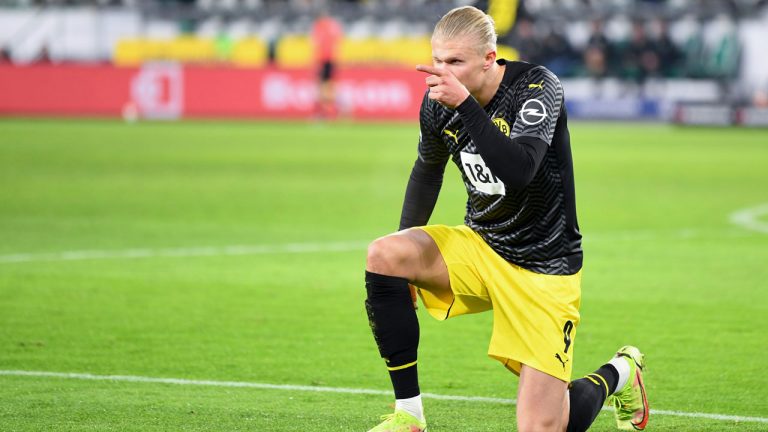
x=395, y=328
x=588, y=395
x=405, y=382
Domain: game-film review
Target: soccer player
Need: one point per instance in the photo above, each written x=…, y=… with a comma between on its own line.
x=518, y=252
x=326, y=39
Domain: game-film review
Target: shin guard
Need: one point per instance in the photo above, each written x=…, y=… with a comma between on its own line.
x=395, y=328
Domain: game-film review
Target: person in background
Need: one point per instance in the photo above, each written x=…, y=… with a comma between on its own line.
x=669, y=54
x=326, y=38
x=557, y=53
x=599, y=52
x=640, y=60
x=5, y=55
x=526, y=42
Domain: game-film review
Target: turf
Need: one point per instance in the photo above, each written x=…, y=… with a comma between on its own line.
x=664, y=269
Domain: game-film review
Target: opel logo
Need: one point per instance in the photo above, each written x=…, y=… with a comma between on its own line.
x=533, y=112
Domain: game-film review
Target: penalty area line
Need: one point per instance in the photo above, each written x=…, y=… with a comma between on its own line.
x=305, y=388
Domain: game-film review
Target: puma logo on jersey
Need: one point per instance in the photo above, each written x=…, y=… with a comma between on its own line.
x=452, y=135
x=560, y=359
x=539, y=85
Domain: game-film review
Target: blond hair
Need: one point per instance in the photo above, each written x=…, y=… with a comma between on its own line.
x=467, y=21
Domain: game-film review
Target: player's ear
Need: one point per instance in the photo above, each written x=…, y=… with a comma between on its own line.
x=490, y=59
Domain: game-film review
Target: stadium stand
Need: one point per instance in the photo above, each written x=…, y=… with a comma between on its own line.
x=605, y=49
x=627, y=39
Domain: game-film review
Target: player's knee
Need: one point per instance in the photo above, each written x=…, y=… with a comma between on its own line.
x=388, y=256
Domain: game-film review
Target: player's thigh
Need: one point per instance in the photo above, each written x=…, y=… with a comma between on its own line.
x=432, y=273
x=462, y=287
x=411, y=254
x=542, y=401
x=535, y=317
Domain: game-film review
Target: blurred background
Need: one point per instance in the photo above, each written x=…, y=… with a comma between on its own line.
x=690, y=61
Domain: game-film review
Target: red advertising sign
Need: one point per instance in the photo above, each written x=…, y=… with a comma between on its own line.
x=169, y=90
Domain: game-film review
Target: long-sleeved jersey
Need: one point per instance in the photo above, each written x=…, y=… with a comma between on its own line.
x=515, y=159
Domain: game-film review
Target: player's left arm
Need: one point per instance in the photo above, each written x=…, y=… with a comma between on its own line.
x=516, y=158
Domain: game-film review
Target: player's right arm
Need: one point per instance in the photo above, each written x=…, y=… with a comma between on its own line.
x=427, y=174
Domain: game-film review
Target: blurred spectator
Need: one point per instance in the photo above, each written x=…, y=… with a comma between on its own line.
x=639, y=59
x=598, y=53
x=5, y=55
x=326, y=38
x=44, y=56
x=595, y=63
x=525, y=41
x=598, y=39
x=557, y=54
x=668, y=53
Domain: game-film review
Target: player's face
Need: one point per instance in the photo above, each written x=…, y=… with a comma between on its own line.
x=463, y=59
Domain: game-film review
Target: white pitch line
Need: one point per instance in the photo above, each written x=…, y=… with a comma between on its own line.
x=289, y=248
x=294, y=248
x=749, y=218
x=304, y=388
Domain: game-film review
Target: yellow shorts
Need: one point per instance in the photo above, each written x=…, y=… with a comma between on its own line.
x=534, y=315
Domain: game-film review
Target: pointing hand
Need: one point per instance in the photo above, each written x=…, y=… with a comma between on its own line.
x=444, y=87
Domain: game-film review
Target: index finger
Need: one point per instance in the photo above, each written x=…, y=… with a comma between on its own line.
x=430, y=70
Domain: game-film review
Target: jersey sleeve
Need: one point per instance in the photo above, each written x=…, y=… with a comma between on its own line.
x=540, y=97
x=432, y=150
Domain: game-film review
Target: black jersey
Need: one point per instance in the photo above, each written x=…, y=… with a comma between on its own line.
x=533, y=226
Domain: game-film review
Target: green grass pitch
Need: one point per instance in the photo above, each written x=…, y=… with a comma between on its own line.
x=665, y=269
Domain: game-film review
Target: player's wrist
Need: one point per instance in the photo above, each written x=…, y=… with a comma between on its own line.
x=463, y=98
x=467, y=104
